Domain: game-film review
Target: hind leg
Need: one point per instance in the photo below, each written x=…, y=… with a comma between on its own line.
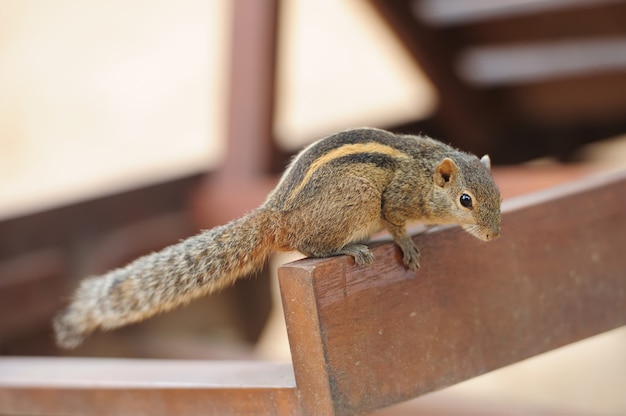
x=360, y=253
x=338, y=221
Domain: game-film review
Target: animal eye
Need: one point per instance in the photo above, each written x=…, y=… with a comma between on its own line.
x=466, y=201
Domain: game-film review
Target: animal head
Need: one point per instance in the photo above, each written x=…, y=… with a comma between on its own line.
x=466, y=192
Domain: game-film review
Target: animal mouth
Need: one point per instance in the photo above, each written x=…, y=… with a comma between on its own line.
x=481, y=233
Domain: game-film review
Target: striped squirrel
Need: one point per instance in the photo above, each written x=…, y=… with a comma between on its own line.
x=335, y=194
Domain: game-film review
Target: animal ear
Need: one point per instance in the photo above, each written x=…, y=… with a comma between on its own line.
x=445, y=172
x=486, y=160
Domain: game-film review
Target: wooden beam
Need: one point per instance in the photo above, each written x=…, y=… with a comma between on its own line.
x=595, y=19
x=465, y=117
x=250, y=144
x=31, y=289
x=62, y=226
x=79, y=386
x=367, y=337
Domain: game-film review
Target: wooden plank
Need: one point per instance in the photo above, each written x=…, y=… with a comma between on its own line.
x=596, y=19
x=78, y=386
x=462, y=112
x=250, y=145
x=585, y=98
x=81, y=221
x=483, y=118
x=555, y=276
x=31, y=290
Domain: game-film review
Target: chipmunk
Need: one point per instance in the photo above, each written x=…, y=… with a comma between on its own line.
x=335, y=194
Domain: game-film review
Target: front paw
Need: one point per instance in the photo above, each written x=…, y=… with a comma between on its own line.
x=410, y=256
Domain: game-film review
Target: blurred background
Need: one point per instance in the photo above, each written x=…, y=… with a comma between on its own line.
x=126, y=126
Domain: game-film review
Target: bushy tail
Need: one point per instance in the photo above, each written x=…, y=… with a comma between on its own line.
x=164, y=280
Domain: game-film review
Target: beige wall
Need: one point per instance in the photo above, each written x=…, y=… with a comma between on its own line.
x=106, y=95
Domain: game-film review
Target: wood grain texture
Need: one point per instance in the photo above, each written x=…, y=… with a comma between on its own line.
x=75, y=386
x=555, y=276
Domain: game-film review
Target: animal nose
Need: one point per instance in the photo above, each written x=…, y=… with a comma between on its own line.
x=495, y=233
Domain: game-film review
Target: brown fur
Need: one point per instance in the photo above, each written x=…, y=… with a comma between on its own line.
x=333, y=197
